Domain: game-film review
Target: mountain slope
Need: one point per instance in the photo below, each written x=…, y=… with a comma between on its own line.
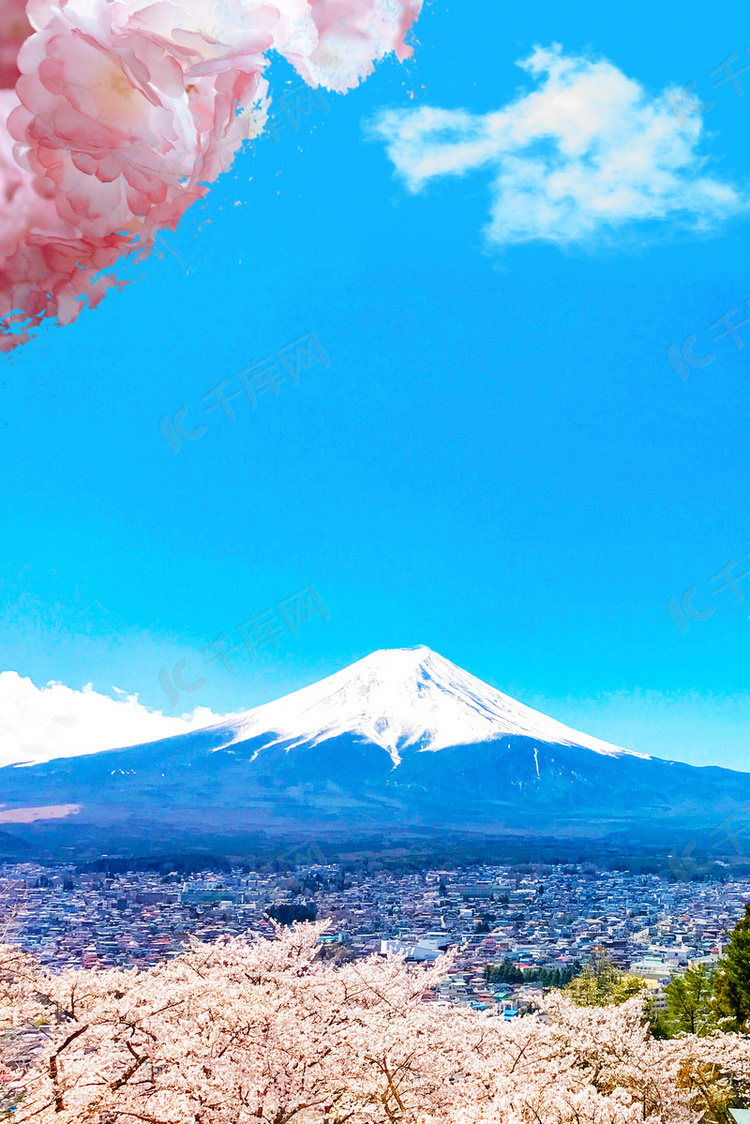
x=400, y=739
x=406, y=698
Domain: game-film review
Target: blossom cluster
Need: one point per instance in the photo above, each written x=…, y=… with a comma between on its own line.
x=268, y=1033
x=116, y=115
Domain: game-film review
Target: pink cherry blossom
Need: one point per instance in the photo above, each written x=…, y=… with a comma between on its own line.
x=14, y=28
x=46, y=267
x=124, y=112
x=353, y=36
x=267, y=1033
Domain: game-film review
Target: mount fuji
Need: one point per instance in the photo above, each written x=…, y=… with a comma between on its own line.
x=406, y=700
x=402, y=739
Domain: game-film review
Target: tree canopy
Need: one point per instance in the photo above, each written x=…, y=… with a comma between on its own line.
x=732, y=980
x=270, y=1033
x=601, y=983
x=691, y=1004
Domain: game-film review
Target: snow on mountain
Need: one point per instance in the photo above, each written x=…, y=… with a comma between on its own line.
x=400, y=740
x=406, y=698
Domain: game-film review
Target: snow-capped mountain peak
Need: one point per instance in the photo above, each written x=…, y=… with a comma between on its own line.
x=402, y=741
x=406, y=698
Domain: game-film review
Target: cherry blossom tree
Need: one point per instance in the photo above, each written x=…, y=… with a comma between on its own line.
x=268, y=1033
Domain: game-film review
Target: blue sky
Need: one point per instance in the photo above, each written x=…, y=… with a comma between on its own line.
x=498, y=460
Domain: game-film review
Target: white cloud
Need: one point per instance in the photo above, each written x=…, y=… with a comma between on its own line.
x=587, y=154
x=39, y=723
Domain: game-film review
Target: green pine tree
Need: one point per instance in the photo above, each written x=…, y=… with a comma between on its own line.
x=732, y=978
x=690, y=1003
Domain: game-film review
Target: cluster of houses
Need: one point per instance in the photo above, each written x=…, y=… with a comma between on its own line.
x=535, y=919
